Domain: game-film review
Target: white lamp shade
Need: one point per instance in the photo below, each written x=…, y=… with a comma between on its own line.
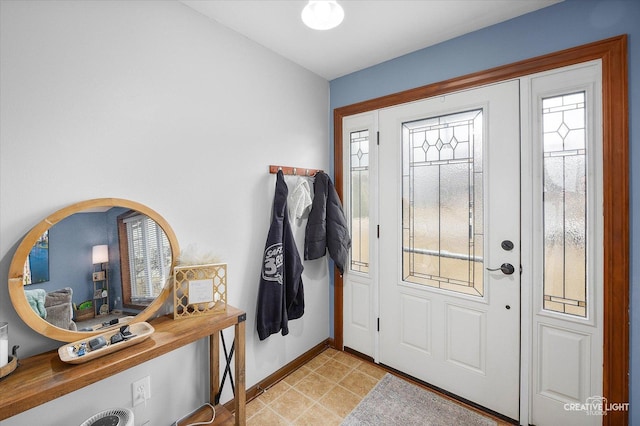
x=322, y=14
x=100, y=254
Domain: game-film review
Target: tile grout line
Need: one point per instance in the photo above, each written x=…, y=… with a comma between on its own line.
x=351, y=365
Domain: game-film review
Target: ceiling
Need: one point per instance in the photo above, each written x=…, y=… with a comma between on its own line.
x=373, y=31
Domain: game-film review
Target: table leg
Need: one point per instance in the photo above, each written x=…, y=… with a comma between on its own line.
x=214, y=367
x=240, y=397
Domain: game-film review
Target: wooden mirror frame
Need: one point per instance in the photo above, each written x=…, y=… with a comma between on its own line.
x=16, y=270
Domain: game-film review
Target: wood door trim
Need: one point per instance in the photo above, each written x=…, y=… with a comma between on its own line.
x=613, y=54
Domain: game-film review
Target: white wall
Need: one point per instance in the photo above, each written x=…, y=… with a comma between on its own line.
x=149, y=101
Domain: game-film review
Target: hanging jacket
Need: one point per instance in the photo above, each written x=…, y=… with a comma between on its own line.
x=327, y=226
x=281, y=294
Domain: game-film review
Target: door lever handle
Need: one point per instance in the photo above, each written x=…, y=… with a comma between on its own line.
x=506, y=269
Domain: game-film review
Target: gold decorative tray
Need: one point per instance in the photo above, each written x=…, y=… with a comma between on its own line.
x=82, y=351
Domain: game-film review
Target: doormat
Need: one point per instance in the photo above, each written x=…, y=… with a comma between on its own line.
x=394, y=401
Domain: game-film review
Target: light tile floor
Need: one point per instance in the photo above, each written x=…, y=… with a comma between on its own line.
x=322, y=392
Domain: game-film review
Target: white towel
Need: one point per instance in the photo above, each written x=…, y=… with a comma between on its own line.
x=300, y=199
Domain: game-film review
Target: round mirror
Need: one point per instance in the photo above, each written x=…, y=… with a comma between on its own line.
x=91, y=265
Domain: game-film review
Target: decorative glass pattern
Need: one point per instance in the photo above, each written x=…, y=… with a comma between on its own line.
x=442, y=222
x=359, y=167
x=565, y=203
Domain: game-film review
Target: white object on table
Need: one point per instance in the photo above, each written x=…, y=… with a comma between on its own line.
x=4, y=344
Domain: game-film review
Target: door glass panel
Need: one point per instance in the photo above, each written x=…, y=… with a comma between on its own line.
x=359, y=217
x=442, y=202
x=564, y=200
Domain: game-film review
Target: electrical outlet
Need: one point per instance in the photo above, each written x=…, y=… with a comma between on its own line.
x=141, y=391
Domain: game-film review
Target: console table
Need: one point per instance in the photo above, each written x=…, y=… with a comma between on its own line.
x=44, y=377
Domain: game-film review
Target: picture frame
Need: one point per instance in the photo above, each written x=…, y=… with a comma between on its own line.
x=199, y=290
x=36, y=268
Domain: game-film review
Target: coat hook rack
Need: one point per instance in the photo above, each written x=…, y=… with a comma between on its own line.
x=298, y=171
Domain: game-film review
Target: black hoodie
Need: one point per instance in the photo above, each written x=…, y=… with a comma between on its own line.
x=281, y=295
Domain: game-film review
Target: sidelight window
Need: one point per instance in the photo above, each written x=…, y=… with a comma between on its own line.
x=359, y=215
x=565, y=203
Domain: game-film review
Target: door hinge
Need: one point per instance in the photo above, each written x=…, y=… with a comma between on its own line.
x=378, y=231
x=378, y=324
x=378, y=138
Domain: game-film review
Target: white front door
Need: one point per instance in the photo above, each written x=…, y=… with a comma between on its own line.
x=449, y=185
x=453, y=179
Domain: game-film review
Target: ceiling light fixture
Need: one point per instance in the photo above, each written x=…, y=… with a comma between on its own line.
x=322, y=14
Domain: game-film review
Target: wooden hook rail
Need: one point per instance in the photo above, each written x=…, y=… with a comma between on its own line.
x=299, y=171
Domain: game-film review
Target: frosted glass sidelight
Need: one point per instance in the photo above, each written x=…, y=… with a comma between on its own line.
x=565, y=204
x=359, y=214
x=442, y=202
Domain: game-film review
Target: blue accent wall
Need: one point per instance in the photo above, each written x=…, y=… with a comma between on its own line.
x=70, y=254
x=71, y=242
x=561, y=26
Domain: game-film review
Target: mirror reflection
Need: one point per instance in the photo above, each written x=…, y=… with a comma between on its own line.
x=36, y=268
x=103, y=266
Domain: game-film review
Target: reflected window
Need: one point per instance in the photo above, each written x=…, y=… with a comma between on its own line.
x=565, y=203
x=146, y=259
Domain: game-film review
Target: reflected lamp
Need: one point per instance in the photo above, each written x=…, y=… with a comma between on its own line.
x=100, y=254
